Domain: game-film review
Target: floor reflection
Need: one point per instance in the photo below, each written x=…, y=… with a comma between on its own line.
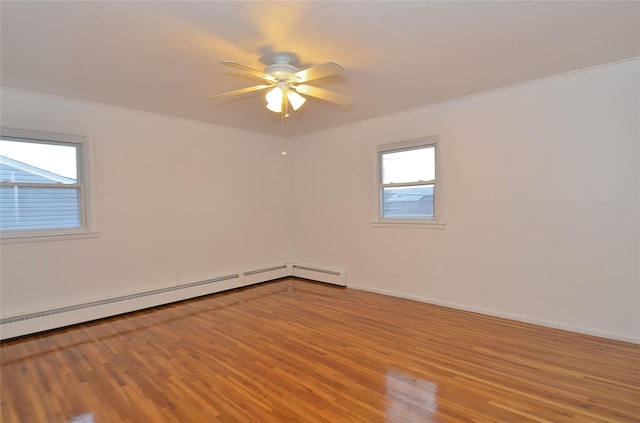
x=85, y=418
x=410, y=399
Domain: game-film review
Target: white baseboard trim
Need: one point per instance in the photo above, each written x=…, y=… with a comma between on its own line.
x=510, y=316
x=33, y=322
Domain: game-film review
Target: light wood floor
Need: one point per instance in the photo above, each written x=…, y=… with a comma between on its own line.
x=296, y=351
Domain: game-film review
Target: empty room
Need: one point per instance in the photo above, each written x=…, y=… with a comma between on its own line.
x=320, y=211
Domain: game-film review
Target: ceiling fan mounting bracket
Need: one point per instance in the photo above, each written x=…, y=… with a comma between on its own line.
x=283, y=59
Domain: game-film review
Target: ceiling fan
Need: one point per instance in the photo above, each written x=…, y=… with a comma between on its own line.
x=287, y=82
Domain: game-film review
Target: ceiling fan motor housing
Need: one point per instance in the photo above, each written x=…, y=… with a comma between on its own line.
x=282, y=69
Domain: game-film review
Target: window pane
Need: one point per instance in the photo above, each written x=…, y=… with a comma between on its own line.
x=37, y=162
x=31, y=208
x=408, y=202
x=409, y=165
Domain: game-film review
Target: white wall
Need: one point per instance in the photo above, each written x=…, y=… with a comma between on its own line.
x=541, y=204
x=177, y=201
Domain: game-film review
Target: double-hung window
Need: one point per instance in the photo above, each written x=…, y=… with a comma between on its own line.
x=43, y=184
x=408, y=183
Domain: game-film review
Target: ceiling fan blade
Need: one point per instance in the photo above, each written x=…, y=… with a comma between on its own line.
x=323, y=94
x=241, y=91
x=320, y=71
x=252, y=71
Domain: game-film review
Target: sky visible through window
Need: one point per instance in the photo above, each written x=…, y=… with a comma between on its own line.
x=409, y=166
x=58, y=159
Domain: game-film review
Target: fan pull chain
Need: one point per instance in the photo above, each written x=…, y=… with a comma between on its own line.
x=284, y=140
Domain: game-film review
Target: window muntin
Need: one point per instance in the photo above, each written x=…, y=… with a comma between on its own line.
x=408, y=189
x=42, y=184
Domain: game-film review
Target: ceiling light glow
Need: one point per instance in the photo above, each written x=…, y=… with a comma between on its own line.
x=295, y=99
x=274, y=100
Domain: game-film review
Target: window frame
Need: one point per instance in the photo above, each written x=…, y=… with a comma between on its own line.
x=83, y=157
x=435, y=222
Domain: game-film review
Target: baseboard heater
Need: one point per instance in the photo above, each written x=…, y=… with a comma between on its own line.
x=28, y=323
x=24, y=324
x=320, y=274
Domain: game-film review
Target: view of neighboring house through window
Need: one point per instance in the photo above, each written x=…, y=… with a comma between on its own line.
x=407, y=181
x=41, y=186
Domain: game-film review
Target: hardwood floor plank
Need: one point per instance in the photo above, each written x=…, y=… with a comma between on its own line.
x=298, y=351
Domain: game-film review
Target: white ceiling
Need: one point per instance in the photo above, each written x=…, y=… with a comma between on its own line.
x=163, y=56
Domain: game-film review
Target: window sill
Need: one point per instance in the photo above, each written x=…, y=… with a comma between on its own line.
x=408, y=224
x=20, y=237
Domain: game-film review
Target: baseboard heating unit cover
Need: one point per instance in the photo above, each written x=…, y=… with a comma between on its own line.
x=23, y=324
x=320, y=274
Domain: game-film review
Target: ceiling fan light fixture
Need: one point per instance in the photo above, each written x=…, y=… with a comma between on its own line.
x=286, y=82
x=295, y=99
x=274, y=100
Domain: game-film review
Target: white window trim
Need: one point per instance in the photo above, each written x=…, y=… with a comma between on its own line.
x=437, y=222
x=88, y=228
